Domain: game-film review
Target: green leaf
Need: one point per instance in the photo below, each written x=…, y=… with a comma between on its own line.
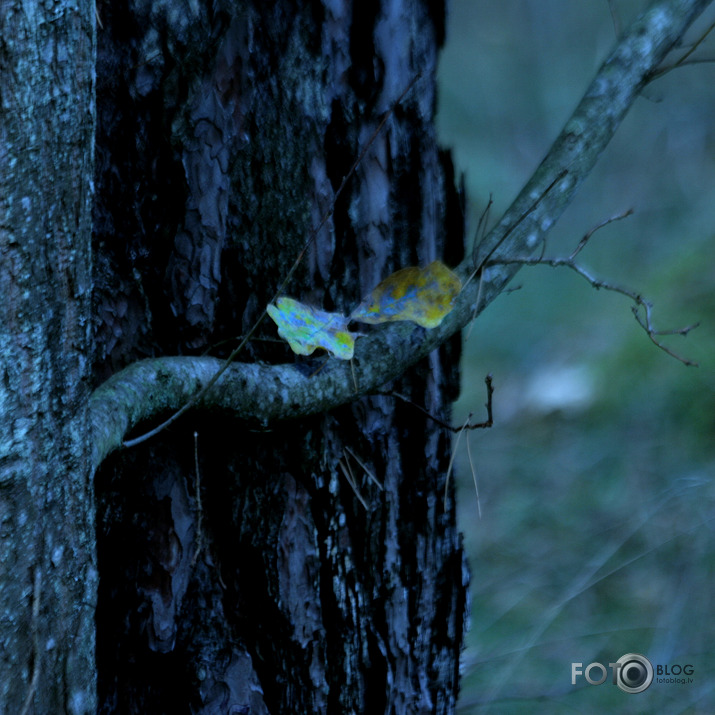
x=307, y=328
x=422, y=295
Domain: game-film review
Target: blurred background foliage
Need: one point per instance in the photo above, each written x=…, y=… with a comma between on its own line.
x=596, y=484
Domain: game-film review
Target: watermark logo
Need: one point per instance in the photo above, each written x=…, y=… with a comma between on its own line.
x=678, y=674
x=632, y=673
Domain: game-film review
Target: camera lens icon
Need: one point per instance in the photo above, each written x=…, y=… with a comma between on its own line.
x=635, y=673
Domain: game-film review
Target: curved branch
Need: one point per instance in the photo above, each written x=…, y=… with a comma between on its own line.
x=262, y=394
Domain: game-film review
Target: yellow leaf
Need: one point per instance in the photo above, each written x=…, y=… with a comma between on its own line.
x=423, y=295
x=307, y=328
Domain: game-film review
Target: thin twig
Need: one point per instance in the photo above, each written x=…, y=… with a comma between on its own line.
x=199, y=509
x=640, y=302
x=647, y=325
x=351, y=479
x=684, y=59
x=352, y=372
x=476, y=306
x=367, y=471
x=479, y=236
x=644, y=319
x=479, y=425
x=615, y=19
x=695, y=45
x=474, y=477
x=697, y=61
x=460, y=432
x=481, y=263
x=225, y=341
x=480, y=233
x=582, y=243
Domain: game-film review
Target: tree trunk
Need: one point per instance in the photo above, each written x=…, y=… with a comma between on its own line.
x=239, y=570
x=47, y=552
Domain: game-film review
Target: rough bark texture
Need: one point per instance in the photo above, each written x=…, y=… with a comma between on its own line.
x=47, y=560
x=261, y=584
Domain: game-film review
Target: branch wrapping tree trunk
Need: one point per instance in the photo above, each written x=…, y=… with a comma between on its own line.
x=266, y=394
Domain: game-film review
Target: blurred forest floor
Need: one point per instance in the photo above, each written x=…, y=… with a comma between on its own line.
x=597, y=482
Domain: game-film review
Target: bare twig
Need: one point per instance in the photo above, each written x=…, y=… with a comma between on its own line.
x=481, y=262
x=642, y=308
x=352, y=373
x=615, y=18
x=474, y=477
x=479, y=236
x=467, y=425
x=476, y=306
x=647, y=325
x=350, y=478
x=480, y=233
x=582, y=243
x=460, y=431
x=367, y=471
x=199, y=508
x=645, y=320
x=697, y=61
x=684, y=59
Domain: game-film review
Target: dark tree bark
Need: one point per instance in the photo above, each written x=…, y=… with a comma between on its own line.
x=262, y=584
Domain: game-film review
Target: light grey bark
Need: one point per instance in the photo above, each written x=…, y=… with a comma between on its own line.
x=47, y=545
